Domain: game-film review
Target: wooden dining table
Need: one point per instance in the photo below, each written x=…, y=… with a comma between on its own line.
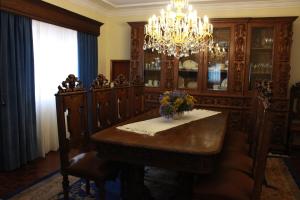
x=191, y=148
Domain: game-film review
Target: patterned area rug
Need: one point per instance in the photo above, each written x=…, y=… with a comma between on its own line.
x=161, y=184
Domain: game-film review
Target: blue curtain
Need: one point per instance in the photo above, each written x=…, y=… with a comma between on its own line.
x=18, y=138
x=87, y=58
x=87, y=65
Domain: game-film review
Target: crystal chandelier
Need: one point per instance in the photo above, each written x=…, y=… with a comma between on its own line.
x=178, y=31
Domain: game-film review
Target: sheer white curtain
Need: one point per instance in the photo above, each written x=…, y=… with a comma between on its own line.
x=55, y=56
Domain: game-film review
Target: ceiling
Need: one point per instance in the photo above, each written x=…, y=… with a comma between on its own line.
x=147, y=7
x=151, y=3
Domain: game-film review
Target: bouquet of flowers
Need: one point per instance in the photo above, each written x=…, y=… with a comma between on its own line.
x=175, y=102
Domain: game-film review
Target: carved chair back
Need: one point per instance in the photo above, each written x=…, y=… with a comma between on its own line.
x=263, y=91
x=103, y=104
x=294, y=115
x=138, y=96
x=295, y=102
x=71, y=110
x=123, y=98
x=263, y=139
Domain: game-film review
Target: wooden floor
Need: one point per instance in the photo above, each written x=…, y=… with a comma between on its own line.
x=10, y=182
x=15, y=180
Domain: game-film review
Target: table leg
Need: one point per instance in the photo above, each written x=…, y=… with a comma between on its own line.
x=186, y=181
x=132, y=180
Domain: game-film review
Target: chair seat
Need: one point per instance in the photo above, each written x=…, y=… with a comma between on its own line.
x=236, y=160
x=224, y=185
x=237, y=141
x=90, y=166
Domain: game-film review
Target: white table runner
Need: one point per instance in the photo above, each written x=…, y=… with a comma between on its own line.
x=152, y=126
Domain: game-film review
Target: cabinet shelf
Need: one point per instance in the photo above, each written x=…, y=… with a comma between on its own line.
x=152, y=70
x=188, y=70
x=260, y=74
x=262, y=48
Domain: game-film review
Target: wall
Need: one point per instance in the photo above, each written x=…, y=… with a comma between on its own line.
x=114, y=41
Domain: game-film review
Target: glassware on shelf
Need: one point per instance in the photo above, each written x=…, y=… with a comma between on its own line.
x=261, y=55
x=152, y=69
x=218, y=60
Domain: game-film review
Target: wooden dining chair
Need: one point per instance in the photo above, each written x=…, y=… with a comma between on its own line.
x=294, y=117
x=103, y=104
x=71, y=110
x=231, y=184
x=123, y=98
x=240, y=159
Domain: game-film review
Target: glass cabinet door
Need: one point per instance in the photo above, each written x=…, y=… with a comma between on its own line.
x=218, y=60
x=188, y=72
x=152, y=68
x=261, y=55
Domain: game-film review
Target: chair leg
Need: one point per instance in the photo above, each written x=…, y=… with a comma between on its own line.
x=101, y=188
x=65, y=184
x=87, y=186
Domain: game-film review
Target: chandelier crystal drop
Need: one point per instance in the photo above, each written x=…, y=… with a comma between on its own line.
x=178, y=30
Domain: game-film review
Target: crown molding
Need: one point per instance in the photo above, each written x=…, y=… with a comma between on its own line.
x=208, y=6
x=144, y=9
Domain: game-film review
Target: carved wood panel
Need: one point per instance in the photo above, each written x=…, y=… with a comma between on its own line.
x=240, y=41
x=284, y=41
x=122, y=100
x=76, y=109
x=238, y=71
x=103, y=108
x=240, y=34
x=282, y=77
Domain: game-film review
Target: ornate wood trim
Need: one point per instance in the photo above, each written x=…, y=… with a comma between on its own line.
x=71, y=84
x=52, y=14
x=100, y=82
x=121, y=81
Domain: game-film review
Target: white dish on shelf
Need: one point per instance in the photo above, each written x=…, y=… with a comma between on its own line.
x=224, y=83
x=190, y=64
x=192, y=84
x=180, y=82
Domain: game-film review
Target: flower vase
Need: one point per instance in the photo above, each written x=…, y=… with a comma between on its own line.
x=178, y=115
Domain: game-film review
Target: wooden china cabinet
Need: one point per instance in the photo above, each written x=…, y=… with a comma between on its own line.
x=245, y=50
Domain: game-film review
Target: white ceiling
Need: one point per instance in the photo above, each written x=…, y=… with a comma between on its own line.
x=148, y=7
x=149, y=3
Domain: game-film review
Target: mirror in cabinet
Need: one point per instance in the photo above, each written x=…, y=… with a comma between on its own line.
x=261, y=55
x=152, y=68
x=188, y=69
x=218, y=60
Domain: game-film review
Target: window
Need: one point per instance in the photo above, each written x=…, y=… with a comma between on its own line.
x=55, y=56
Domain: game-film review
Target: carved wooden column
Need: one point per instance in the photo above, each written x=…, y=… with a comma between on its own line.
x=282, y=60
x=137, y=52
x=240, y=33
x=281, y=77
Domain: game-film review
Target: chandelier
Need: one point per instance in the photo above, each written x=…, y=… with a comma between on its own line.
x=178, y=31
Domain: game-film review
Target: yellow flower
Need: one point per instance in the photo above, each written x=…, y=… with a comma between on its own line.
x=190, y=100
x=165, y=100
x=178, y=102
